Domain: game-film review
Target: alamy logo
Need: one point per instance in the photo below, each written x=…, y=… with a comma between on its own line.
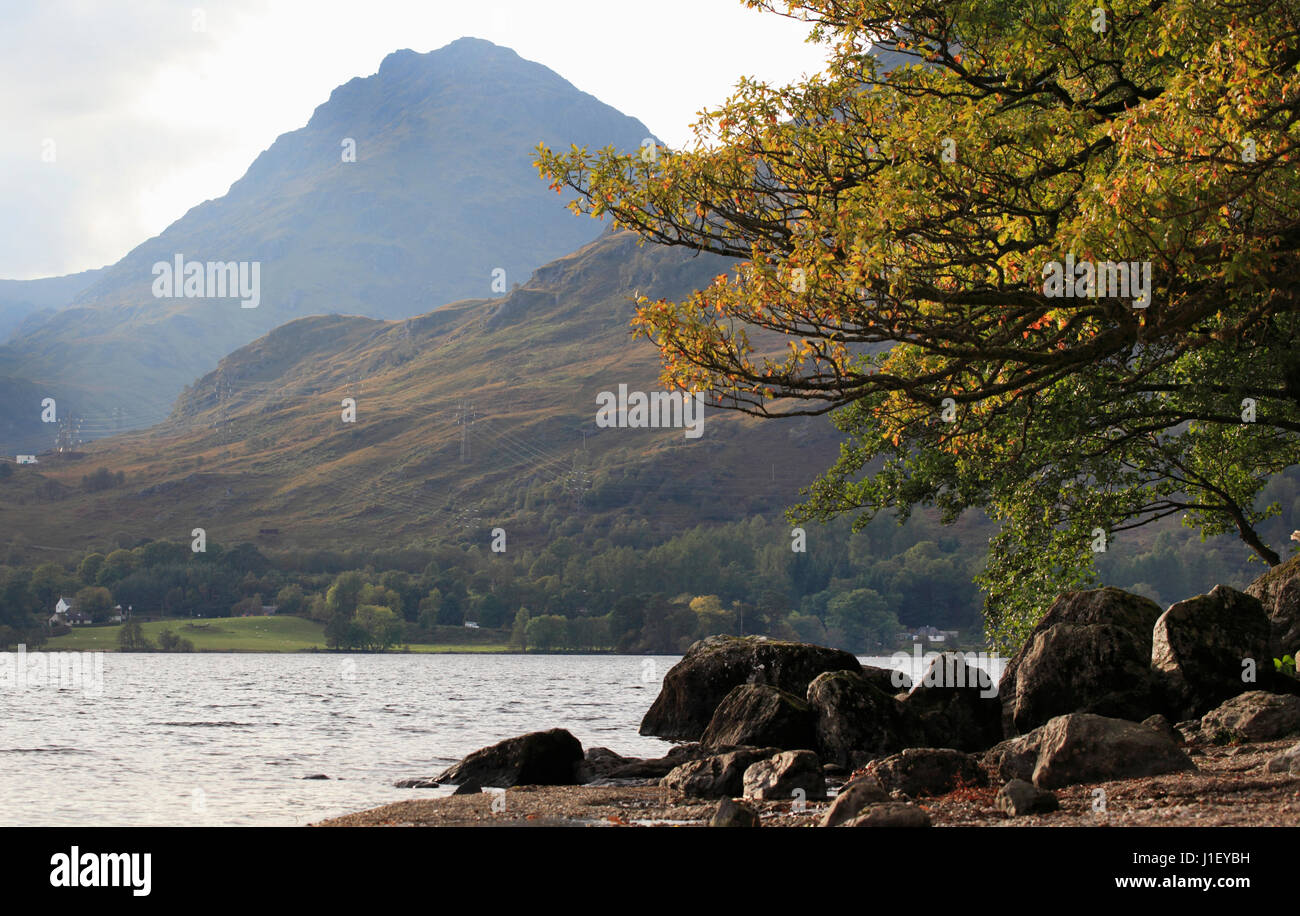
x=104, y=869
x=23, y=670
x=181, y=279
x=656, y=410
x=1103, y=280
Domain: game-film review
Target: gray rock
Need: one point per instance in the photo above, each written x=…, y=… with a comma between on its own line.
x=852, y=798
x=1278, y=590
x=1018, y=798
x=1163, y=726
x=784, y=776
x=756, y=715
x=1253, y=716
x=1084, y=748
x=927, y=771
x=1014, y=758
x=1099, y=668
x=854, y=715
x=1288, y=762
x=887, y=680
x=891, y=814
x=1096, y=607
x=718, y=776
x=731, y=813
x=1190, y=731
x=955, y=706
x=416, y=783
x=548, y=758
x=1199, y=647
x=711, y=668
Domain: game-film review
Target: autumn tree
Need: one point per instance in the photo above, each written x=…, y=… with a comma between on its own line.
x=928, y=240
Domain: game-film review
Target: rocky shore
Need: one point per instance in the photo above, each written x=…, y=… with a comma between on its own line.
x=1113, y=713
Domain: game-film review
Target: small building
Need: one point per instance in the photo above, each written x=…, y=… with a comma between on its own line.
x=268, y=610
x=471, y=624
x=26, y=459
x=66, y=614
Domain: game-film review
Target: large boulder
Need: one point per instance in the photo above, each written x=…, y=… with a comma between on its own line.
x=854, y=717
x=718, y=776
x=1278, y=590
x=1109, y=607
x=1083, y=748
x=785, y=776
x=1253, y=716
x=548, y=758
x=927, y=771
x=955, y=705
x=1207, y=649
x=756, y=715
x=711, y=668
x=1098, y=668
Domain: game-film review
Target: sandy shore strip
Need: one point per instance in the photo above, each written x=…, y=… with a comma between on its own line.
x=1229, y=788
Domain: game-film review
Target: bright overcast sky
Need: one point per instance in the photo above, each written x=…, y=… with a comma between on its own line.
x=149, y=116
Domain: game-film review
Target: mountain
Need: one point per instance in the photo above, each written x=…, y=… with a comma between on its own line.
x=442, y=194
x=27, y=303
x=472, y=416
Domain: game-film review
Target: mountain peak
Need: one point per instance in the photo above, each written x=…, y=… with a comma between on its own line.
x=462, y=51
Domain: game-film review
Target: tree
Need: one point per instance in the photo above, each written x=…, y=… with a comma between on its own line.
x=290, y=600
x=94, y=601
x=519, y=633
x=381, y=626
x=548, y=631
x=90, y=566
x=344, y=594
x=170, y=642
x=901, y=236
x=131, y=638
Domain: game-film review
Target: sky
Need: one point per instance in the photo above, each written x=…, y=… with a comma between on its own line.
x=118, y=116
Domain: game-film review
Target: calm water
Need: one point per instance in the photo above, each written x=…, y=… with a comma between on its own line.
x=214, y=739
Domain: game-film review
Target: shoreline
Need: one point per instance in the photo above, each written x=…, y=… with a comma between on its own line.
x=1229, y=788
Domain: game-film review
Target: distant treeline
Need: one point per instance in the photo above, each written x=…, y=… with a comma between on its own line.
x=616, y=589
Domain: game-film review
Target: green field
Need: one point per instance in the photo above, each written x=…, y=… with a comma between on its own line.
x=232, y=634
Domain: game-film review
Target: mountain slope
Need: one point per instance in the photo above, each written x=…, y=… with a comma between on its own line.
x=441, y=194
x=260, y=443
